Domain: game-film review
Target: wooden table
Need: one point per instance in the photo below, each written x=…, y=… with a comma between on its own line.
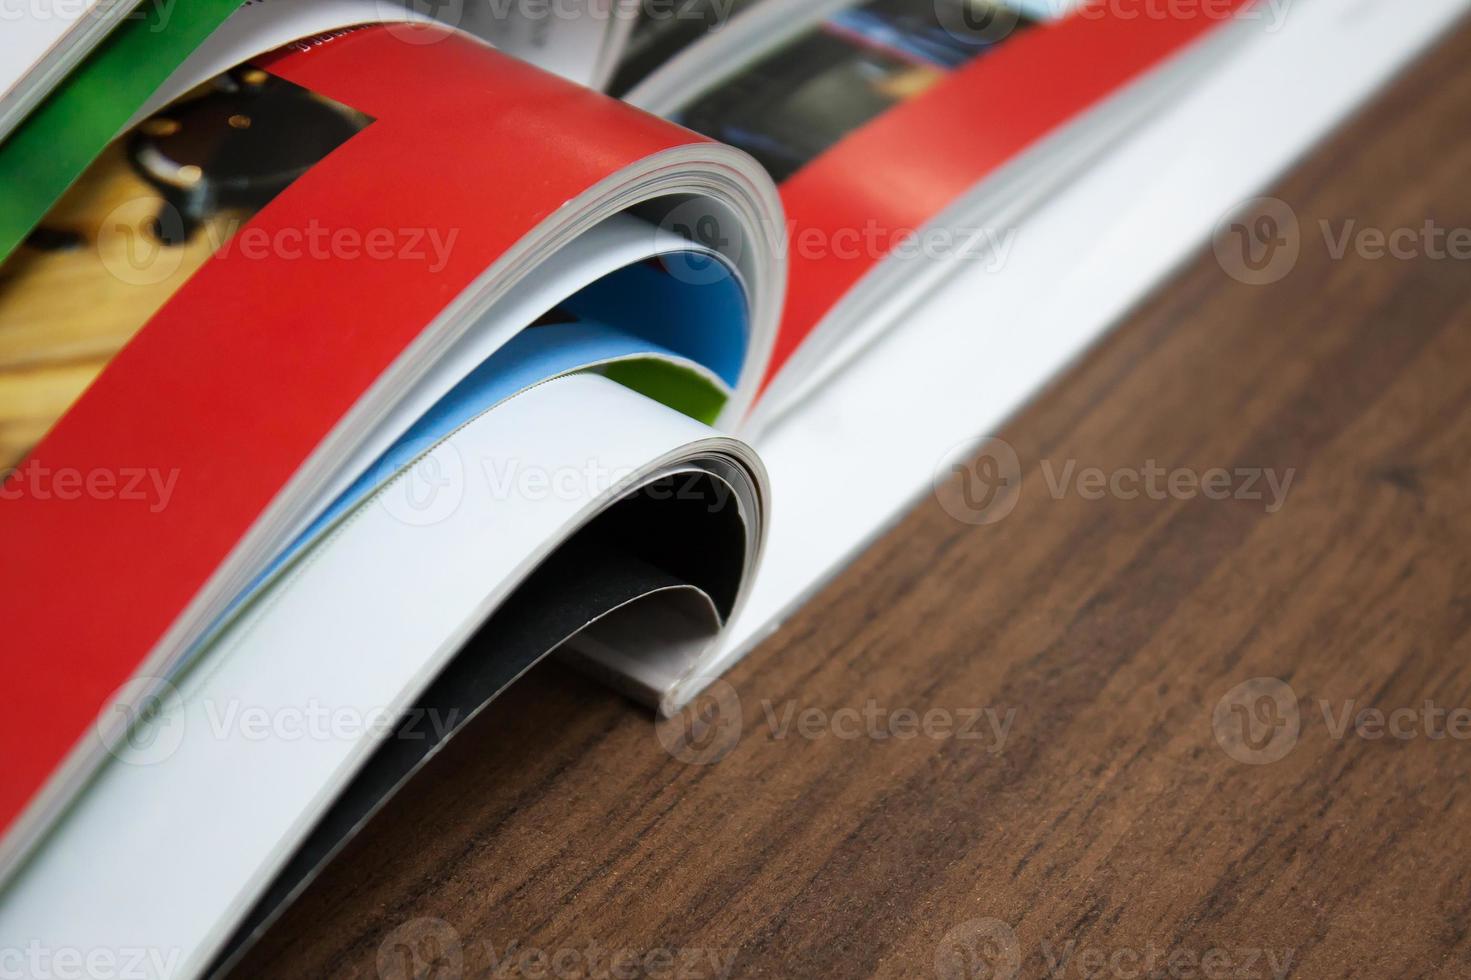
x=1141, y=802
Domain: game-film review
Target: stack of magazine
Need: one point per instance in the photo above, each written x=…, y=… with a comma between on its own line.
x=355, y=356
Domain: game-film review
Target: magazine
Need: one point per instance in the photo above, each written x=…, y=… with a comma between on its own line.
x=360, y=366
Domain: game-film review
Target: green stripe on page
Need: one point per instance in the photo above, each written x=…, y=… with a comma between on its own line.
x=678, y=387
x=49, y=150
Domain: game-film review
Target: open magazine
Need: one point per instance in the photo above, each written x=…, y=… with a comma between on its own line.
x=371, y=364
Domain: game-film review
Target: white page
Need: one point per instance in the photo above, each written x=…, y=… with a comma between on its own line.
x=41, y=41
x=948, y=375
x=173, y=841
x=580, y=40
x=35, y=31
x=723, y=52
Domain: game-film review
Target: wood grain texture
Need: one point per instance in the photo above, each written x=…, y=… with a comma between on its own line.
x=65, y=313
x=1110, y=815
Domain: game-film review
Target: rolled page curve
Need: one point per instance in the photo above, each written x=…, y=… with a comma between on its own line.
x=517, y=164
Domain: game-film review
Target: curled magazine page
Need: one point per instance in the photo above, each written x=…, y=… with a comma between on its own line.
x=219, y=226
x=451, y=539
x=662, y=565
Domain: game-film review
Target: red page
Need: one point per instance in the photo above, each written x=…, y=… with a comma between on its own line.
x=240, y=375
x=900, y=170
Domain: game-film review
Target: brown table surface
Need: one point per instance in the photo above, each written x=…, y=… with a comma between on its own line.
x=1140, y=804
